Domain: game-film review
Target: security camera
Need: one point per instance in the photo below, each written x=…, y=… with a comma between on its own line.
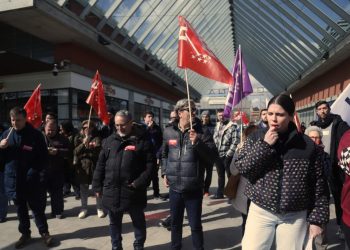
x=55, y=70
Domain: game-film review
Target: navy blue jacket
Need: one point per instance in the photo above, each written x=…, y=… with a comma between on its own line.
x=184, y=163
x=24, y=161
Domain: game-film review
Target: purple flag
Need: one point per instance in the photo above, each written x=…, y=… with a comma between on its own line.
x=241, y=87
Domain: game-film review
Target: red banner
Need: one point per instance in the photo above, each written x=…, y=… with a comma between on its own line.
x=194, y=54
x=33, y=108
x=97, y=99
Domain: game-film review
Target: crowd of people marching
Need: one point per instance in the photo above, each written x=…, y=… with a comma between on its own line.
x=285, y=176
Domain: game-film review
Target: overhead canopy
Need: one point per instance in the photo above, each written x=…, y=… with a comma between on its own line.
x=283, y=42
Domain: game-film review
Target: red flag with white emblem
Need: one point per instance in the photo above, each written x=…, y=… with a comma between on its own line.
x=97, y=99
x=33, y=108
x=194, y=54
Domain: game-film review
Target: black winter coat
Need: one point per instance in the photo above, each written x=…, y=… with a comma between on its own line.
x=184, y=163
x=122, y=162
x=285, y=177
x=56, y=163
x=24, y=161
x=85, y=158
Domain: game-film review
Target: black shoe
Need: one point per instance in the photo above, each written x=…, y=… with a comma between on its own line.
x=22, y=241
x=164, y=197
x=2, y=220
x=156, y=196
x=166, y=223
x=77, y=197
x=47, y=238
x=217, y=197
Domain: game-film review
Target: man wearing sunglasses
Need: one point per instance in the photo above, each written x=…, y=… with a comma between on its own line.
x=123, y=172
x=184, y=152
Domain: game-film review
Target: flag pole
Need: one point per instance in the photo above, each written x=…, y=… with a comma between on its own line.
x=188, y=99
x=241, y=76
x=7, y=137
x=88, y=128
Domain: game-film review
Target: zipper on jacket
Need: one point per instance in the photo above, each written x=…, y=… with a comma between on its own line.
x=279, y=193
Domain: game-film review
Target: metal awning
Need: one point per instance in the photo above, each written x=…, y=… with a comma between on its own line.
x=281, y=40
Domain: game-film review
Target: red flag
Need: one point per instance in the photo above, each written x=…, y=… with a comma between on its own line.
x=33, y=108
x=97, y=99
x=297, y=122
x=245, y=118
x=194, y=54
x=239, y=115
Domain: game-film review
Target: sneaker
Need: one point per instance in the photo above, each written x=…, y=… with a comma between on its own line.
x=82, y=214
x=47, y=238
x=22, y=241
x=100, y=213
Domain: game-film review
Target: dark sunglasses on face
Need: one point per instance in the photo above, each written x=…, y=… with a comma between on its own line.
x=187, y=109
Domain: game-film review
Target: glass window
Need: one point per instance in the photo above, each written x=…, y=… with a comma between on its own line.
x=344, y=4
x=63, y=96
x=141, y=11
x=63, y=112
x=103, y=5
x=121, y=11
x=140, y=109
x=150, y=20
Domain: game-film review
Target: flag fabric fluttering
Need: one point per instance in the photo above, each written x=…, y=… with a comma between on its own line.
x=240, y=115
x=97, y=99
x=194, y=54
x=242, y=85
x=297, y=122
x=341, y=105
x=296, y=119
x=33, y=108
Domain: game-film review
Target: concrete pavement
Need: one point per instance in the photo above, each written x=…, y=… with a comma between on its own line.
x=221, y=225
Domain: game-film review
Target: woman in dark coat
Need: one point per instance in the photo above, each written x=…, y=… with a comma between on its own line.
x=87, y=148
x=286, y=182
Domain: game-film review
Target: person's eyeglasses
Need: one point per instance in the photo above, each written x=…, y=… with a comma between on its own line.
x=85, y=128
x=122, y=125
x=187, y=109
x=314, y=137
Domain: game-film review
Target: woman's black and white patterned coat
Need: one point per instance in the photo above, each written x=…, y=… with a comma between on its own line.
x=287, y=176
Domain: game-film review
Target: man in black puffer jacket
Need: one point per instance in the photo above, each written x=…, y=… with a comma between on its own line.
x=184, y=152
x=123, y=172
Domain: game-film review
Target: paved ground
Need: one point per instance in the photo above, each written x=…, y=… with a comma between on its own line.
x=220, y=222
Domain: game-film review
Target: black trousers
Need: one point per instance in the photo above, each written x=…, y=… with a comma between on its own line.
x=55, y=189
x=208, y=177
x=346, y=230
x=222, y=167
x=36, y=199
x=155, y=181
